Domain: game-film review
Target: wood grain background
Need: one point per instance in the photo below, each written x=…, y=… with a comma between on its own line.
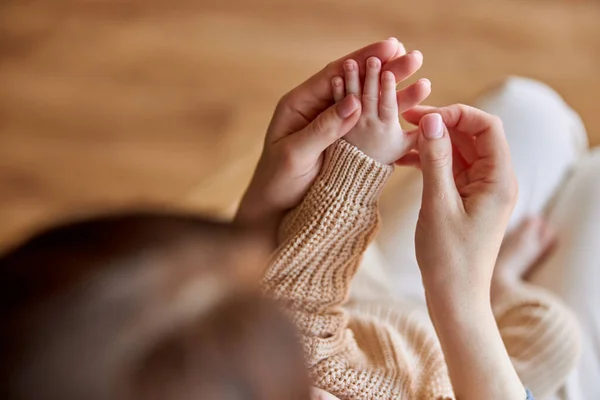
x=107, y=104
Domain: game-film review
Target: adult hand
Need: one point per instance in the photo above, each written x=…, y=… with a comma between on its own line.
x=296, y=138
x=469, y=191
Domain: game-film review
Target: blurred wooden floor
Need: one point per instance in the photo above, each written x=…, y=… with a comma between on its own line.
x=108, y=103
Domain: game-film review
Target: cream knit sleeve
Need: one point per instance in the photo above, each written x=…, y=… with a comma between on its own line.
x=541, y=336
x=322, y=241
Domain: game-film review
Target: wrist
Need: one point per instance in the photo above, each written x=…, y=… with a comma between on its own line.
x=450, y=289
x=457, y=300
x=458, y=311
x=349, y=173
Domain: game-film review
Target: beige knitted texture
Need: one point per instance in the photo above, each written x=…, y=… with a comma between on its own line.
x=387, y=351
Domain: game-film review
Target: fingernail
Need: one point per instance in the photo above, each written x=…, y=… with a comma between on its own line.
x=392, y=38
x=433, y=126
x=373, y=62
x=417, y=53
x=347, y=107
x=425, y=81
x=388, y=76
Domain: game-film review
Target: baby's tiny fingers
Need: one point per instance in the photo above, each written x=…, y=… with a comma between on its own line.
x=388, y=106
x=352, y=78
x=370, y=97
x=339, y=92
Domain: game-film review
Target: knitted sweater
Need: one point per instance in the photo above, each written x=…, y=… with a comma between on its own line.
x=386, y=349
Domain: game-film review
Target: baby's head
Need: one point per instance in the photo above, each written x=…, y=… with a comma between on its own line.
x=143, y=306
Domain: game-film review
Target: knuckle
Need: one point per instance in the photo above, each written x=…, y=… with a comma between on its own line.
x=496, y=122
x=287, y=155
x=284, y=101
x=320, y=125
x=460, y=108
x=508, y=190
x=454, y=113
x=369, y=97
x=388, y=107
x=437, y=159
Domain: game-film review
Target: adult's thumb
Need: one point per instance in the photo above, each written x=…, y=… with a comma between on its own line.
x=435, y=151
x=329, y=126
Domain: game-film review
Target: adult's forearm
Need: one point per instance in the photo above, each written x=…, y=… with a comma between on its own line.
x=478, y=363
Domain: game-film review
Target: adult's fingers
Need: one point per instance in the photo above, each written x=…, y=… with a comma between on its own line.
x=486, y=130
x=405, y=66
x=435, y=153
x=328, y=127
x=314, y=95
x=459, y=165
x=468, y=119
x=463, y=144
x=413, y=95
x=302, y=104
x=401, y=49
x=414, y=114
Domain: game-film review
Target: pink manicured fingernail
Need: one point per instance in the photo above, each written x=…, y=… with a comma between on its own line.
x=349, y=65
x=433, y=126
x=347, y=107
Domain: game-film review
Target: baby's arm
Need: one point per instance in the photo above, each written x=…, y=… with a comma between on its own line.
x=322, y=243
x=323, y=239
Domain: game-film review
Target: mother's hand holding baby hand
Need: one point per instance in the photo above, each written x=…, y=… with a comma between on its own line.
x=306, y=122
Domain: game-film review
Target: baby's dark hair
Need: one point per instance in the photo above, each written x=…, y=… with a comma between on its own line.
x=143, y=306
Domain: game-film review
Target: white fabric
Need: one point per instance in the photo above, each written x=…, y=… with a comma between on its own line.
x=573, y=271
x=556, y=176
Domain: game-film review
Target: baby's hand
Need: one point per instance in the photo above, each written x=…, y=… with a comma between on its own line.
x=378, y=132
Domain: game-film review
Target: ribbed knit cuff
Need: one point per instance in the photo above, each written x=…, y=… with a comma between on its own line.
x=351, y=174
